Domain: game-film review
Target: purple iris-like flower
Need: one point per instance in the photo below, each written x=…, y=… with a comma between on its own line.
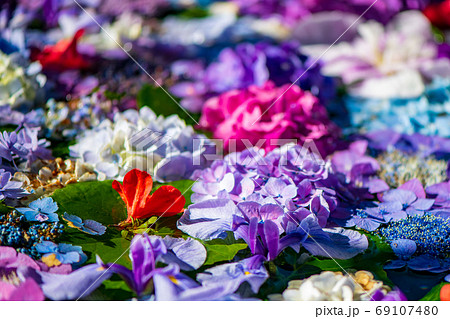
x=145, y=251
x=78, y=284
x=188, y=253
x=9, y=188
x=232, y=275
x=259, y=227
x=209, y=219
x=336, y=243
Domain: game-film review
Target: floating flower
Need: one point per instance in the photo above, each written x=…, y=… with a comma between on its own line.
x=135, y=192
x=41, y=210
x=57, y=254
x=87, y=226
x=269, y=114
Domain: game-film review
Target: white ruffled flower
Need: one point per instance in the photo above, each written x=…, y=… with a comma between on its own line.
x=331, y=286
x=388, y=62
x=114, y=148
x=18, y=85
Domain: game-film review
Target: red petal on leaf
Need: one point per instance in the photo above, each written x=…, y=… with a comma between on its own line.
x=165, y=201
x=135, y=192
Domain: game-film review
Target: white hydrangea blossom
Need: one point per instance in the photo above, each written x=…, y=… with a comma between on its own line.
x=331, y=286
x=18, y=85
x=113, y=147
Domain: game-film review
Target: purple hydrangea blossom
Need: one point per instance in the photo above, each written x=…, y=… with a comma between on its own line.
x=246, y=65
x=24, y=145
x=8, y=188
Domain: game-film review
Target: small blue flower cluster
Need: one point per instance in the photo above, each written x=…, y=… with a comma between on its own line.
x=16, y=232
x=430, y=233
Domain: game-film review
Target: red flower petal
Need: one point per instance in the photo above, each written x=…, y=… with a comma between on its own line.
x=135, y=192
x=165, y=201
x=63, y=55
x=445, y=293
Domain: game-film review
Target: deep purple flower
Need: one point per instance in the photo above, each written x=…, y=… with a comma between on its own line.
x=259, y=227
x=358, y=168
x=246, y=65
x=394, y=295
x=145, y=251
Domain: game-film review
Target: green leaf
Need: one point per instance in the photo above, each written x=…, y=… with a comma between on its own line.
x=434, y=293
x=162, y=104
x=5, y=209
x=218, y=250
x=113, y=289
x=91, y=200
x=100, y=202
x=61, y=148
x=111, y=247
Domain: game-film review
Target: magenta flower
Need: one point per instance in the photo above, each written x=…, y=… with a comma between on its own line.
x=14, y=284
x=265, y=113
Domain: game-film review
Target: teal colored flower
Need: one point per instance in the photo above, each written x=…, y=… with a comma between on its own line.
x=87, y=226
